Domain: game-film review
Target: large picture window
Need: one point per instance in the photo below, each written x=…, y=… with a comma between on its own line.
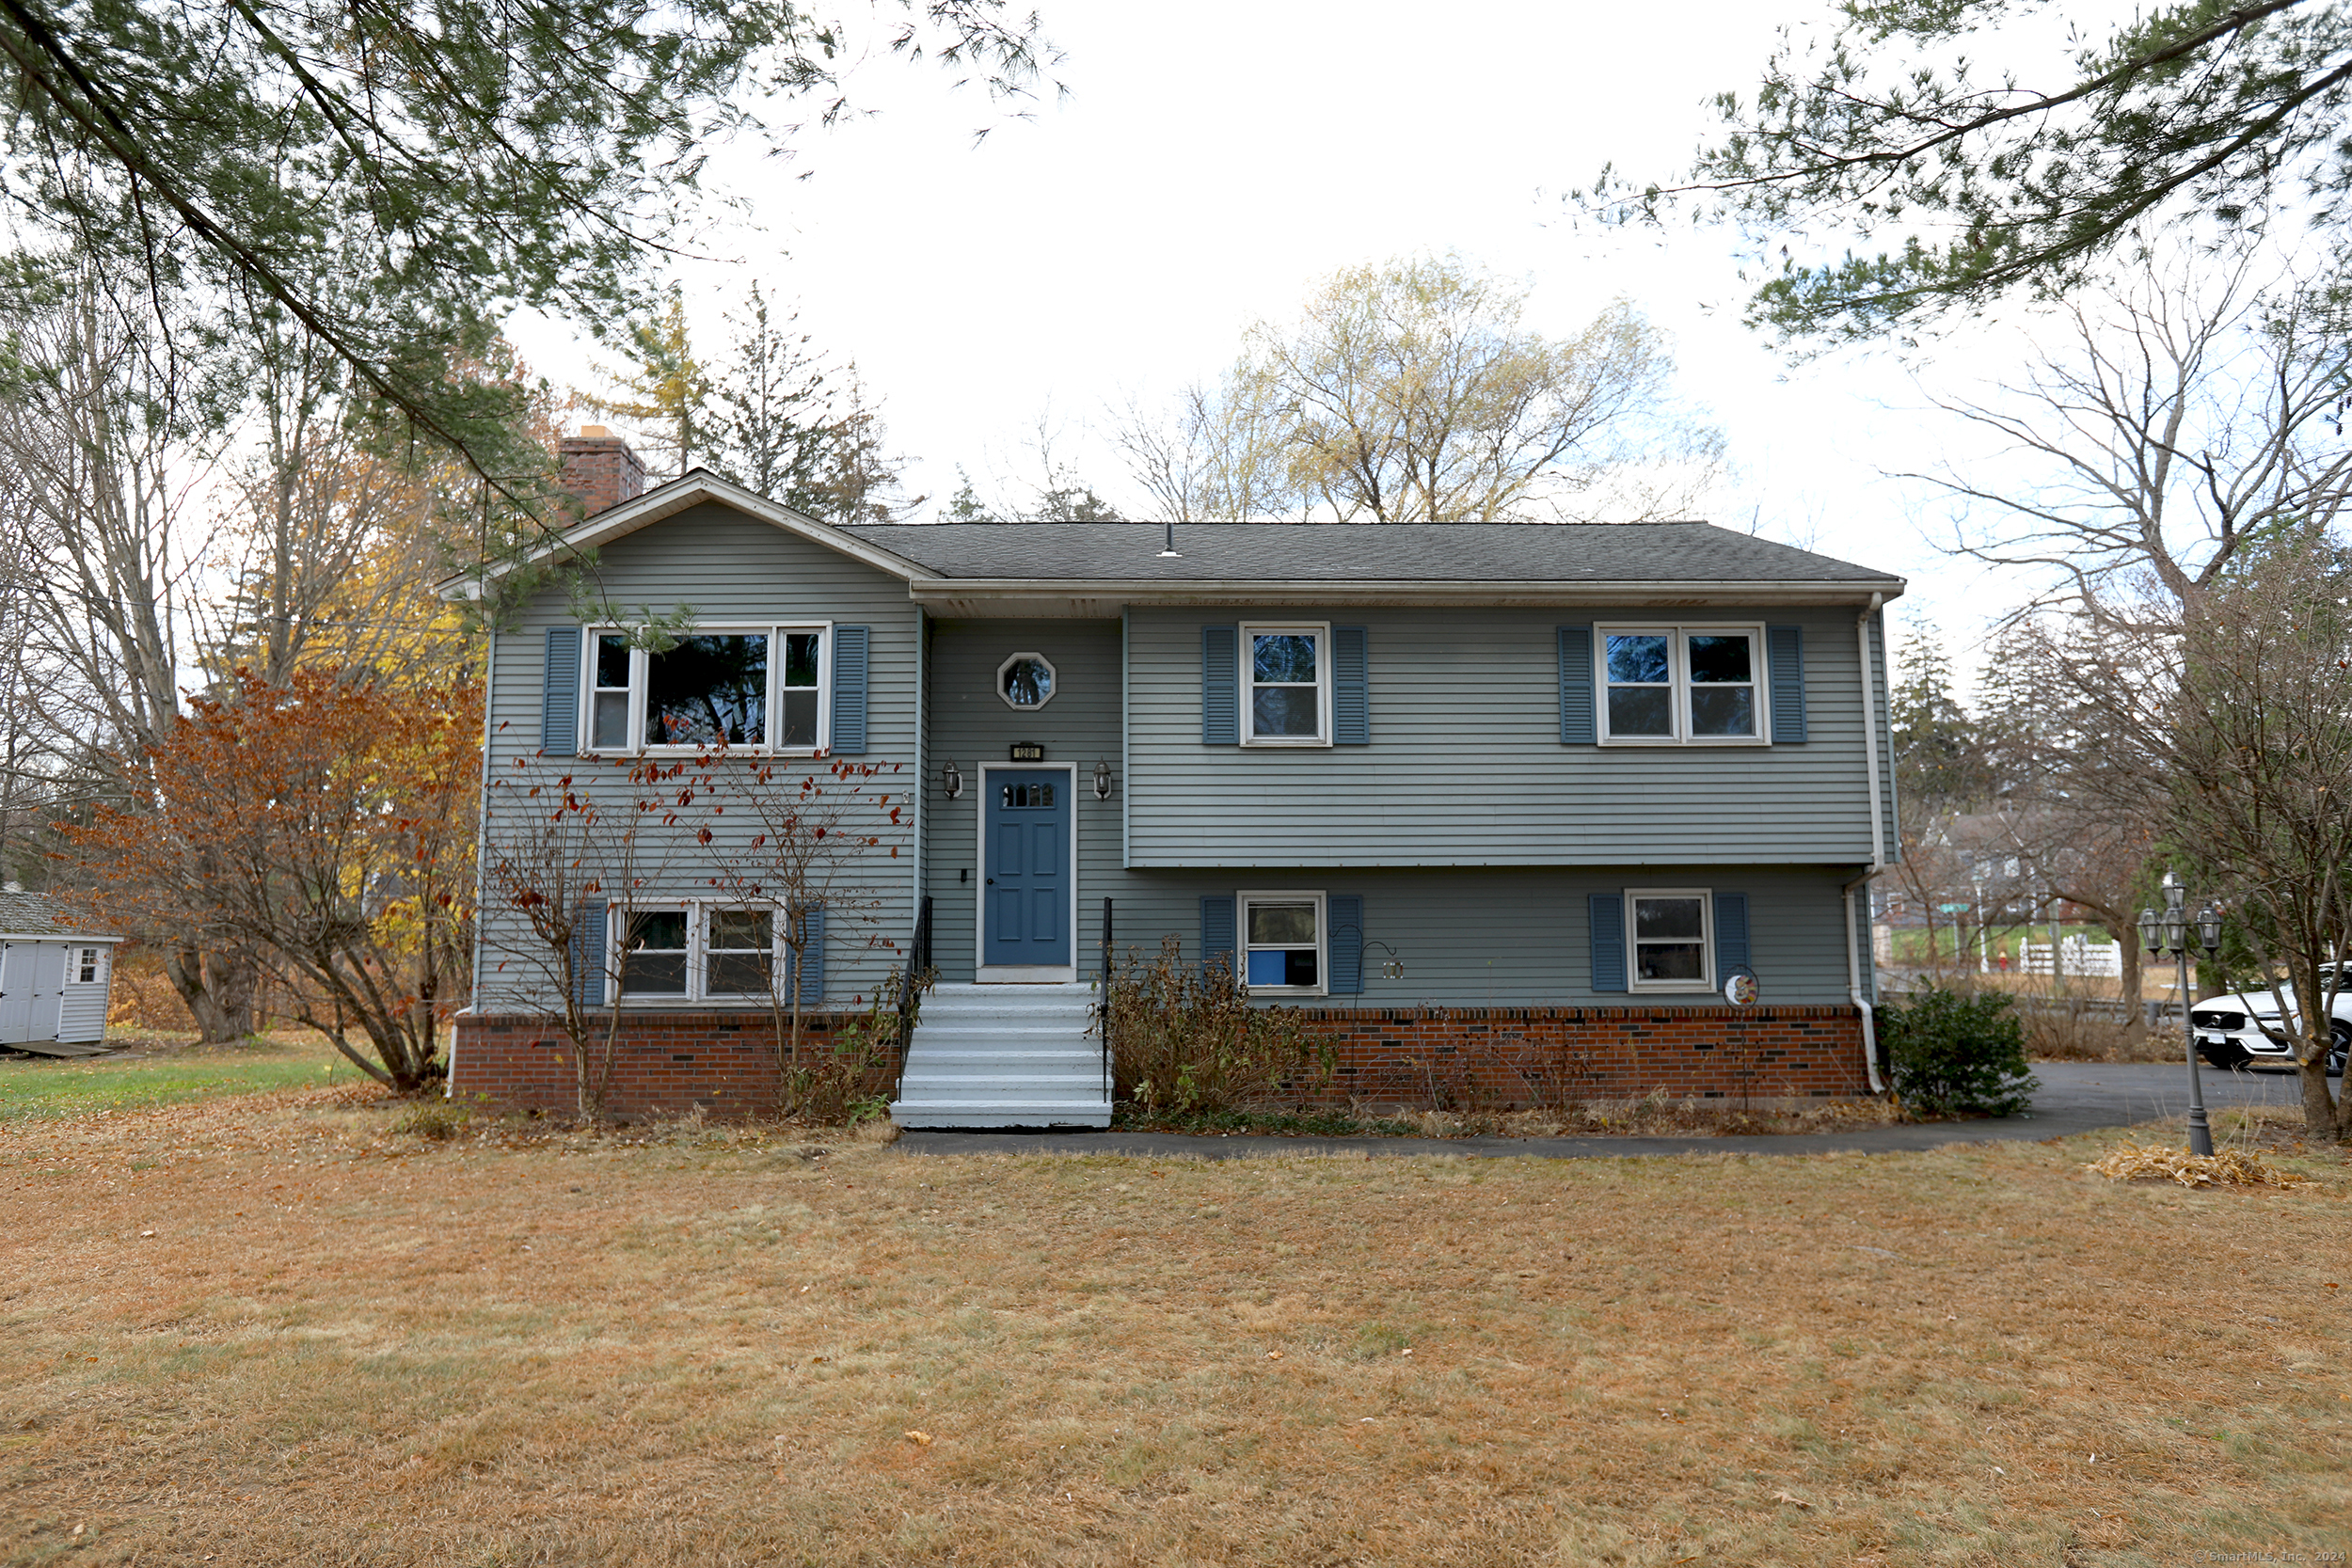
x=759, y=688
x=1682, y=685
x=1288, y=672
x=1282, y=939
x=1673, y=939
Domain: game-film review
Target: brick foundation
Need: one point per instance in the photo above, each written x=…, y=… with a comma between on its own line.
x=723, y=1064
x=1513, y=1057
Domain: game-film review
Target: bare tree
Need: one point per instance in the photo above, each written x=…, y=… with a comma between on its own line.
x=2237, y=714
x=2184, y=415
x=573, y=850
x=1411, y=391
x=794, y=850
x=102, y=436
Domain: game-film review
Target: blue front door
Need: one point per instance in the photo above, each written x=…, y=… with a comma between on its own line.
x=1027, y=900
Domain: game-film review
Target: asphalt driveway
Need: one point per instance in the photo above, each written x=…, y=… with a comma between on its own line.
x=2076, y=1097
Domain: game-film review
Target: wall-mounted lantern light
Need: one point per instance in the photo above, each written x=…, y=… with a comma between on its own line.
x=951, y=780
x=1103, y=780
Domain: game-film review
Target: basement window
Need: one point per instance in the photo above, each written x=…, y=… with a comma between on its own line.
x=1283, y=944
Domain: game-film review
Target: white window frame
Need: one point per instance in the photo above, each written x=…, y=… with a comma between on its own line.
x=1706, y=982
x=1053, y=682
x=1323, y=940
x=640, y=664
x=1321, y=632
x=1679, y=668
x=698, y=991
x=94, y=959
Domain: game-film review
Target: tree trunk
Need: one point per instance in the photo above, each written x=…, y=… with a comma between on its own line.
x=219, y=989
x=2134, y=1008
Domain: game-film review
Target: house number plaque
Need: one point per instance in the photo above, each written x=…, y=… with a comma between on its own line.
x=1027, y=751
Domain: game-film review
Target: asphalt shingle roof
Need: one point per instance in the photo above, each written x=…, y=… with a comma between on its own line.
x=1332, y=552
x=33, y=915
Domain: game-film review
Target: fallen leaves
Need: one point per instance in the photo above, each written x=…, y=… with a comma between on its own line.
x=920, y=1440
x=2231, y=1167
x=1791, y=1499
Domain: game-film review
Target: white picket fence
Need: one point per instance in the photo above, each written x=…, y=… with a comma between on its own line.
x=2076, y=956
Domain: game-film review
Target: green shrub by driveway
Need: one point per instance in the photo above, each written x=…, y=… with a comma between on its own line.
x=1955, y=1054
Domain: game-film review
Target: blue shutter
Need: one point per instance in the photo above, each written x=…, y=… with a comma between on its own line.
x=1576, y=688
x=1216, y=933
x=559, y=704
x=811, y=979
x=1788, y=657
x=1346, y=946
x=848, y=691
x=588, y=954
x=1609, y=941
x=1351, y=688
x=1731, y=933
x=1220, y=687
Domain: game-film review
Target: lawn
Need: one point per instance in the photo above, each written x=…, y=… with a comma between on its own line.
x=275, y=1329
x=164, y=1071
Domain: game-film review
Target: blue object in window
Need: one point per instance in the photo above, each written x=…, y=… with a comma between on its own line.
x=1269, y=968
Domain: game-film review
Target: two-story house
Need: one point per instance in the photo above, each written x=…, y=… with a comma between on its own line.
x=1455, y=789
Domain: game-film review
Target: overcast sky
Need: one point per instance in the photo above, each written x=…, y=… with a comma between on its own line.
x=1203, y=172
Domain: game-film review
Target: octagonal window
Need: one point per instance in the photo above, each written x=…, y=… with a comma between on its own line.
x=1026, y=681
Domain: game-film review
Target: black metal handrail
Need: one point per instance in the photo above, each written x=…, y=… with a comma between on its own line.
x=910, y=988
x=1105, y=1002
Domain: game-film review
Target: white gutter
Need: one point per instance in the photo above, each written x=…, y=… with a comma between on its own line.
x=1042, y=594
x=1877, y=850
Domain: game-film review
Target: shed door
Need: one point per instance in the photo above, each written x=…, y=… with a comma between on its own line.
x=19, y=964
x=1026, y=898
x=48, y=990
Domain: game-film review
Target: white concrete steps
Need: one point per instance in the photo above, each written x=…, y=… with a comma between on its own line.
x=995, y=1056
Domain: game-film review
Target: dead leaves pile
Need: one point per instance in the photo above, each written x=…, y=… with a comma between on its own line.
x=2231, y=1167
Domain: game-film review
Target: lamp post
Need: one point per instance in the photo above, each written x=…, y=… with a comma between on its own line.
x=2171, y=930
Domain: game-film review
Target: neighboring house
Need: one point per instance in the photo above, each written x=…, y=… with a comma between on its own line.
x=1463, y=792
x=55, y=977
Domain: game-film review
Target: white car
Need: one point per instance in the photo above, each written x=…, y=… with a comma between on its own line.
x=2246, y=1030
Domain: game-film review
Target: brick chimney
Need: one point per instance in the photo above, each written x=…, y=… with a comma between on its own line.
x=600, y=469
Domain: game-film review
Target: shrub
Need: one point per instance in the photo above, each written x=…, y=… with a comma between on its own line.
x=1958, y=1054
x=1185, y=1039
x=850, y=1080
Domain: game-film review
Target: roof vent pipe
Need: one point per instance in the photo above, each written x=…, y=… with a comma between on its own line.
x=1168, y=551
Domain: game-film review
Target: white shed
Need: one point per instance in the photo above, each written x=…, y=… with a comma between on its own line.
x=55, y=977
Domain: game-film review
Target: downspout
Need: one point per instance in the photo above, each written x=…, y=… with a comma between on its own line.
x=1877, y=848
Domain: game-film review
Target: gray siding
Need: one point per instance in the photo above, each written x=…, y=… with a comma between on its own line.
x=970, y=724
x=728, y=567
x=82, y=1015
x=1514, y=937
x=1466, y=766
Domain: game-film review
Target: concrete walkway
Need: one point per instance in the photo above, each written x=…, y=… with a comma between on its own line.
x=2076, y=1097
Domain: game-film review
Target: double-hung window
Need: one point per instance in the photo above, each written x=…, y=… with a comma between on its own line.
x=698, y=952
x=86, y=969
x=1282, y=941
x=1287, y=671
x=758, y=689
x=1673, y=938
x=1699, y=686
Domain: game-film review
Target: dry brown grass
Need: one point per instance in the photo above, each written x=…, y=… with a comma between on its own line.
x=2224, y=1167
x=273, y=1331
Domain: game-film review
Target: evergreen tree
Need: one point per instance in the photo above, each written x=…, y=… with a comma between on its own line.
x=769, y=417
